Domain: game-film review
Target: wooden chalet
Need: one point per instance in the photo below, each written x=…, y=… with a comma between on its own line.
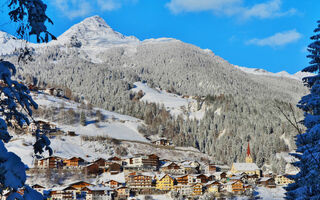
x=113, y=184
x=197, y=189
x=92, y=169
x=220, y=175
x=114, y=168
x=63, y=193
x=73, y=162
x=162, y=142
x=80, y=184
x=52, y=162
x=96, y=193
x=267, y=182
x=252, y=178
x=283, y=179
x=184, y=190
x=115, y=159
x=122, y=193
x=211, y=169
x=172, y=168
x=202, y=178
x=102, y=163
x=182, y=180
x=213, y=187
x=140, y=181
x=151, y=160
x=235, y=186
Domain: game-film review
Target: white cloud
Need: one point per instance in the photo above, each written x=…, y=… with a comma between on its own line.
x=268, y=9
x=108, y=5
x=82, y=8
x=177, y=6
x=278, y=39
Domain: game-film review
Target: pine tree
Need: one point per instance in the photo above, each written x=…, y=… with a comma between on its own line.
x=307, y=181
x=15, y=97
x=83, y=120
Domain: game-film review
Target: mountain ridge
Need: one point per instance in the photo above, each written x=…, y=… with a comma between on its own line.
x=94, y=33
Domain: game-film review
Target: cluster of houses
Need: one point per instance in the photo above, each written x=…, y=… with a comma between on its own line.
x=50, y=91
x=147, y=174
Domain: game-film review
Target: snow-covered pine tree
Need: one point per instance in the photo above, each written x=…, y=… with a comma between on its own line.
x=83, y=120
x=14, y=97
x=307, y=181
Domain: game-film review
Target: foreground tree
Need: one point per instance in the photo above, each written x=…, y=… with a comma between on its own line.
x=16, y=103
x=307, y=181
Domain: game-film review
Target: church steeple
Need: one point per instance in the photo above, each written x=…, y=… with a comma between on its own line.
x=248, y=157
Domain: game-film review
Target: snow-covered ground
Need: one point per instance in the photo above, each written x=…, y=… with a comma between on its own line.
x=270, y=193
x=174, y=103
x=290, y=169
x=154, y=197
x=116, y=126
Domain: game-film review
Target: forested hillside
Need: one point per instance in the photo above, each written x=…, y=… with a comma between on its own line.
x=239, y=106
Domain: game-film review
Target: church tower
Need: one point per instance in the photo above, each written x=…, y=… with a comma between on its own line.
x=248, y=157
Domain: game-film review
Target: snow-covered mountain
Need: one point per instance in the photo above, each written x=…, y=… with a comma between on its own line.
x=93, y=36
x=94, y=32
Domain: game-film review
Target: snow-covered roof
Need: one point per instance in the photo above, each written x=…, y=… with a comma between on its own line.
x=161, y=176
x=167, y=164
x=231, y=182
x=265, y=179
x=245, y=166
x=99, y=188
x=105, y=177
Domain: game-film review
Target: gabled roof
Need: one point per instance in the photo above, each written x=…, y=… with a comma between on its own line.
x=233, y=182
x=115, y=158
x=78, y=182
x=37, y=186
x=161, y=176
x=169, y=163
x=265, y=179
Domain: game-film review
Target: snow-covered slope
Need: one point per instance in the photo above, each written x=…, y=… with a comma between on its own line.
x=9, y=43
x=174, y=103
x=116, y=126
x=298, y=76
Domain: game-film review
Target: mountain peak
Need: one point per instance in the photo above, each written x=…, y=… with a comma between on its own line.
x=94, y=31
x=95, y=21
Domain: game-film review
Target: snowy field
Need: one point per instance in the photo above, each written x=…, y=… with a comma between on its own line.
x=117, y=126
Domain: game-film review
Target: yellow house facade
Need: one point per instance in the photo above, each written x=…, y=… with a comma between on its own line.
x=165, y=182
x=283, y=180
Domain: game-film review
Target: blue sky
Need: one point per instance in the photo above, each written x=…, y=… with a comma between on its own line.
x=268, y=34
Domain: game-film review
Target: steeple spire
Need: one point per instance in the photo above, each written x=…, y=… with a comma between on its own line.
x=248, y=157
